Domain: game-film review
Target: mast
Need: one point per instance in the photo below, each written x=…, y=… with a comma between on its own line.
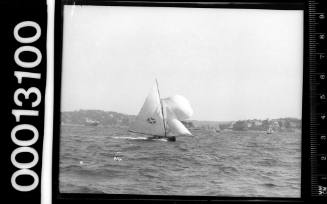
x=163, y=117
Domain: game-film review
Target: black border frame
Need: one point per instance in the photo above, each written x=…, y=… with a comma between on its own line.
x=60, y=198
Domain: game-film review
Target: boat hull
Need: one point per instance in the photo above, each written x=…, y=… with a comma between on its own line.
x=165, y=138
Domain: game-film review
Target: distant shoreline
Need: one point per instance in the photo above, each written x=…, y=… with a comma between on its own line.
x=111, y=118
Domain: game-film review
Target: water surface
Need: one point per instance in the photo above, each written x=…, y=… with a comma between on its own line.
x=236, y=163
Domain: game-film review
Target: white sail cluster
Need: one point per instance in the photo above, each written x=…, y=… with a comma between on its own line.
x=162, y=117
x=176, y=109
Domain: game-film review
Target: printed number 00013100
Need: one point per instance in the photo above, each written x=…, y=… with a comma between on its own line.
x=21, y=96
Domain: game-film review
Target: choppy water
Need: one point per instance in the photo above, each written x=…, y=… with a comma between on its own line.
x=110, y=160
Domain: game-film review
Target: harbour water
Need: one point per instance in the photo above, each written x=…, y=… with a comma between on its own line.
x=105, y=159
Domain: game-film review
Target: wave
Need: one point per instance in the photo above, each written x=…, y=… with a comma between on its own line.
x=95, y=173
x=268, y=162
x=75, y=188
x=131, y=148
x=269, y=185
x=68, y=168
x=130, y=138
x=138, y=138
x=94, y=147
x=229, y=170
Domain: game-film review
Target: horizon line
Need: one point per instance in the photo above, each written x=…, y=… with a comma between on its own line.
x=203, y=120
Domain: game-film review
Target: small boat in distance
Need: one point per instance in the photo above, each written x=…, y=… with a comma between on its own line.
x=89, y=122
x=270, y=130
x=161, y=118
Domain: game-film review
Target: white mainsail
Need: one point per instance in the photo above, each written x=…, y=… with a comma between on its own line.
x=150, y=119
x=162, y=117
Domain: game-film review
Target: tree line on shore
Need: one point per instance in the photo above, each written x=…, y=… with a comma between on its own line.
x=119, y=119
x=255, y=124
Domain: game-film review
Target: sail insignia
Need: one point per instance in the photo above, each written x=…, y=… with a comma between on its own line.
x=151, y=120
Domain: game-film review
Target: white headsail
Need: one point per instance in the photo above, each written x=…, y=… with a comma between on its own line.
x=162, y=117
x=176, y=109
x=175, y=128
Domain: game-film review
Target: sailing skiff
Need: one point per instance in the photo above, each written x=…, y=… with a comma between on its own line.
x=161, y=118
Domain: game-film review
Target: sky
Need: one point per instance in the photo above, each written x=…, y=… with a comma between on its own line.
x=231, y=64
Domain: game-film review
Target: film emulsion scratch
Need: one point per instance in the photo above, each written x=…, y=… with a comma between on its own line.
x=176, y=101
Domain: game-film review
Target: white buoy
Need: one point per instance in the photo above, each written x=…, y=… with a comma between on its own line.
x=81, y=162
